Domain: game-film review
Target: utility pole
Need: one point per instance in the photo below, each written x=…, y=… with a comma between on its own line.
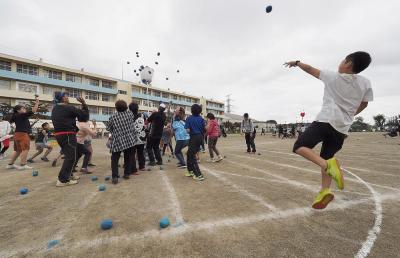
x=228, y=104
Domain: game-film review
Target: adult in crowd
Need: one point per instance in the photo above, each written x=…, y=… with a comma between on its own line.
x=140, y=138
x=156, y=121
x=22, y=141
x=64, y=117
x=120, y=125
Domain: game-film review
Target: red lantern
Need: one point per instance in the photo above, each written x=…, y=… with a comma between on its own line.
x=302, y=114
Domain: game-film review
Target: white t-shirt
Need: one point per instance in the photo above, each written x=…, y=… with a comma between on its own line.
x=343, y=94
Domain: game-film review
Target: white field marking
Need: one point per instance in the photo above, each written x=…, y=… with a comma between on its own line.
x=174, y=199
x=380, y=173
x=284, y=182
x=241, y=190
x=376, y=229
x=210, y=225
x=310, y=171
x=282, y=178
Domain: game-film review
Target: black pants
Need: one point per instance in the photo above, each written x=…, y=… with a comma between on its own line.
x=170, y=148
x=153, y=149
x=82, y=150
x=127, y=161
x=194, y=146
x=138, y=151
x=68, y=145
x=250, y=142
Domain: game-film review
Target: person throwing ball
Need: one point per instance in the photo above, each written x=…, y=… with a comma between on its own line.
x=346, y=94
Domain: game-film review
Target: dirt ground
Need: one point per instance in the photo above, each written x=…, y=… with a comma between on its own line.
x=248, y=206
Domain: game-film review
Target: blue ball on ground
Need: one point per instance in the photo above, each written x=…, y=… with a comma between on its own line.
x=107, y=178
x=23, y=190
x=106, y=224
x=94, y=178
x=164, y=222
x=52, y=243
x=35, y=173
x=102, y=188
x=268, y=9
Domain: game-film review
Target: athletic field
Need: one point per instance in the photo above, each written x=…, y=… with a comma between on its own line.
x=248, y=206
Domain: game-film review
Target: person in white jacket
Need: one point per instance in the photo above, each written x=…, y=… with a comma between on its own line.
x=5, y=129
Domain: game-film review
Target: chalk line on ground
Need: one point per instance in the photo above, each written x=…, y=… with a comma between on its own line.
x=376, y=229
x=174, y=199
x=240, y=189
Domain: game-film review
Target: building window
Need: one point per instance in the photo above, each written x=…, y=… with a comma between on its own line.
x=73, y=78
x=108, y=111
x=5, y=65
x=175, y=97
x=107, y=84
x=5, y=101
x=92, y=95
x=165, y=95
x=189, y=100
x=157, y=93
x=48, y=90
x=23, y=102
x=94, y=82
x=138, y=101
x=53, y=74
x=73, y=93
x=27, y=87
x=5, y=85
x=106, y=97
x=122, y=92
x=93, y=110
x=27, y=69
x=136, y=90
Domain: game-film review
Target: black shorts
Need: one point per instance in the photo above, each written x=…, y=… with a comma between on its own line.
x=332, y=140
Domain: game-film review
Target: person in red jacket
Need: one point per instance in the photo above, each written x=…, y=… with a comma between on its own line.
x=213, y=133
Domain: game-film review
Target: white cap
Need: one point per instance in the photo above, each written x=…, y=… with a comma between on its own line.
x=162, y=105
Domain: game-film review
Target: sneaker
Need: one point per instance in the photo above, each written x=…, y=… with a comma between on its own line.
x=152, y=163
x=24, y=167
x=2, y=156
x=30, y=161
x=203, y=151
x=159, y=163
x=74, y=177
x=322, y=199
x=182, y=166
x=189, y=174
x=45, y=159
x=126, y=177
x=210, y=160
x=335, y=172
x=70, y=182
x=198, y=178
x=115, y=180
x=219, y=159
x=135, y=173
x=85, y=171
x=91, y=165
x=142, y=169
x=12, y=166
x=54, y=163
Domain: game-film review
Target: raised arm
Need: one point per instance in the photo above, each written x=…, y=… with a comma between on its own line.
x=362, y=106
x=305, y=67
x=36, y=106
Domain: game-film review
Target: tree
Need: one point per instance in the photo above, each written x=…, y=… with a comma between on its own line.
x=271, y=122
x=379, y=121
x=5, y=110
x=42, y=109
x=359, y=125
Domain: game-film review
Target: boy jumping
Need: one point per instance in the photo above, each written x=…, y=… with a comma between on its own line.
x=346, y=94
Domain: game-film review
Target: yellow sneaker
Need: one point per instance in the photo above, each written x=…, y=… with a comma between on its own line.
x=335, y=172
x=322, y=199
x=189, y=174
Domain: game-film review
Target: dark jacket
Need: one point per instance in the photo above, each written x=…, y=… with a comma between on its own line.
x=64, y=117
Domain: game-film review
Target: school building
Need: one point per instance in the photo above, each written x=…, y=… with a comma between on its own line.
x=21, y=79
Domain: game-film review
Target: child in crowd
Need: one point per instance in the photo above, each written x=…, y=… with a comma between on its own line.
x=195, y=126
x=21, y=136
x=167, y=139
x=83, y=136
x=346, y=94
x=213, y=133
x=181, y=136
x=5, y=130
x=41, y=144
x=248, y=129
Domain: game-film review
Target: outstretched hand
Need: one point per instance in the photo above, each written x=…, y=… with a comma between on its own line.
x=81, y=100
x=290, y=64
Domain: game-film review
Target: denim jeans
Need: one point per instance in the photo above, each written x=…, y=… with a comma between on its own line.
x=180, y=144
